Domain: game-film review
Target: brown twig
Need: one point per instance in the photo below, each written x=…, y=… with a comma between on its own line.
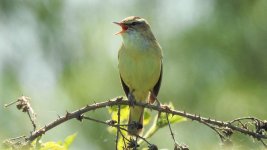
x=172, y=134
x=118, y=129
x=176, y=145
x=23, y=104
x=124, y=138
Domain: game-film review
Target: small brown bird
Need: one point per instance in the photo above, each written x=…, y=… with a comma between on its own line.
x=140, y=67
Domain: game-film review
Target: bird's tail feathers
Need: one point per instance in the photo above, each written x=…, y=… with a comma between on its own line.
x=136, y=117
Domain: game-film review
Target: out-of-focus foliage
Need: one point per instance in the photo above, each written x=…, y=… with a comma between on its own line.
x=63, y=54
x=39, y=145
x=58, y=145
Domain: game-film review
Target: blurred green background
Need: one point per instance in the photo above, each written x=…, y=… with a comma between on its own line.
x=63, y=54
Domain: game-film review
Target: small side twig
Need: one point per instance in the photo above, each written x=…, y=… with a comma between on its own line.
x=23, y=104
x=176, y=145
x=116, y=126
x=32, y=119
x=123, y=139
x=118, y=129
x=264, y=144
x=172, y=134
x=16, y=138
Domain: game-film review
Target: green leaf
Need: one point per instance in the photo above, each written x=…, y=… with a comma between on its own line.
x=114, y=109
x=162, y=120
x=69, y=140
x=38, y=142
x=121, y=142
x=176, y=119
x=147, y=117
x=124, y=113
x=52, y=145
x=59, y=145
x=112, y=130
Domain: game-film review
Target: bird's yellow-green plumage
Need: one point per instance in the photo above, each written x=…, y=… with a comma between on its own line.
x=140, y=65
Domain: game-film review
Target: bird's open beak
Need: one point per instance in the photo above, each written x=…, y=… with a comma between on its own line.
x=123, y=27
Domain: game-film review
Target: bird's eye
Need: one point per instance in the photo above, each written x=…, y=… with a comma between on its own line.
x=134, y=23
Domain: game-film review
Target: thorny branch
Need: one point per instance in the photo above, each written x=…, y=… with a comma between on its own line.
x=250, y=126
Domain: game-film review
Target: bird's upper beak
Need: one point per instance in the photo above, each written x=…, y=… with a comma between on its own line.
x=123, y=27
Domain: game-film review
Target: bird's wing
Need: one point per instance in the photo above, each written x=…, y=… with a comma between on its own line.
x=157, y=86
x=125, y=87
x=155, y=90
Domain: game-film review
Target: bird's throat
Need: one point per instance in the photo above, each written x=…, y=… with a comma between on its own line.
x=136, y=42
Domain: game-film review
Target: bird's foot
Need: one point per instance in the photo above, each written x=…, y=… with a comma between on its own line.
x=161, y=106
x=166, y=107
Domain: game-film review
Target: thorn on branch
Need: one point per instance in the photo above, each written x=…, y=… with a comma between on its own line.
x=67, y=114
x=227, y=132
x=119, y=99
x=199, y=117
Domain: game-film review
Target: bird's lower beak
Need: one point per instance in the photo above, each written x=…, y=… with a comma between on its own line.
x=123, y=27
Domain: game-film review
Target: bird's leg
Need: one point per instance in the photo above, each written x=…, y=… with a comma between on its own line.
x=153, y=98
x=131, y=98
x=157, y=102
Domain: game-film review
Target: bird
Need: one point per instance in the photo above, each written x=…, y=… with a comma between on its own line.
x=140, y=67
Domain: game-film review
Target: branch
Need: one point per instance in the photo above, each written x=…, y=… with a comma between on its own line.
x=224, y=128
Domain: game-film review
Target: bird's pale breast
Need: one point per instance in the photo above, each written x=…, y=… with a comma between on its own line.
x=140, y=69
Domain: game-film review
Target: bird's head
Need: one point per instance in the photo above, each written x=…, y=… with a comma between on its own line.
x=133, y=24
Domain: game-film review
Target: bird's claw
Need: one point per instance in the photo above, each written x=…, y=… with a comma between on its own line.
x=166, y=107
